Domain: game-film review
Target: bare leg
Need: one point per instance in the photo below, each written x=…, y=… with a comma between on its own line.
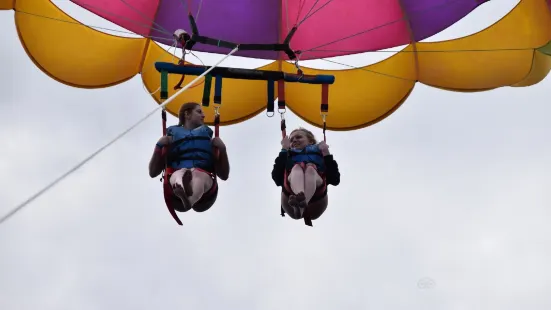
x=296, y=182
x=200, y=183
x=177, y=182
x=296, y=179
x=312, y=181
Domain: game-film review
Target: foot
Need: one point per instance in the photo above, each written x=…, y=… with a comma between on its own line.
x=181, y=193
x=186, y=181
x=293, y=201
x=301, y=200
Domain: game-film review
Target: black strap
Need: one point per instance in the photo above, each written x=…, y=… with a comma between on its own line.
x=292, y=153
x=196, y=38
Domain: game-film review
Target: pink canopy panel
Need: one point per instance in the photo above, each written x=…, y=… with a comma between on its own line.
x=326, y=28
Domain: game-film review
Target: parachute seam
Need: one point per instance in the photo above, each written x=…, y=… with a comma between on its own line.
x=48, y=73
x=370, y=71
x=413, y=43
x=342, y=64
x=323, y=50
x=89, y=26
x=436, y=51
x=139, y=23
x=377, y=27
x=527, y=75
x=280, y=24
x=146, y=49
x=145, y=17
x=144, y=54
x=198, y=10
x=154, y=18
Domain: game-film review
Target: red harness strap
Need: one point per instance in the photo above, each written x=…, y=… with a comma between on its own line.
x=170, y=199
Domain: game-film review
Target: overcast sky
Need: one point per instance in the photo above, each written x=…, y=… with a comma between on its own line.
x=444, y=205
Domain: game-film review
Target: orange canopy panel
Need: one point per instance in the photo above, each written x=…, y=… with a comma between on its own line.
x=500, y=55
x=515, y=51
x=72, y=54
x=7, y=4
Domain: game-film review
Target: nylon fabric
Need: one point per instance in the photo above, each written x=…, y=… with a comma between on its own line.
x=512, y=52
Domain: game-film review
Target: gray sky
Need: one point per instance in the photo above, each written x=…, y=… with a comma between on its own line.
x=451, y=187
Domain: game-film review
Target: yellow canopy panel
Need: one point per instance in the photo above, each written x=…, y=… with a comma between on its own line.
x=359, y=97
x=541, y=65
x=500, y=55
x=512, y=52
x=72, y=54
x=7, y=4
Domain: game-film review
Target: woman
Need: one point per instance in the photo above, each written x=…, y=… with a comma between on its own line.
x=191, y=154
x=303, y=169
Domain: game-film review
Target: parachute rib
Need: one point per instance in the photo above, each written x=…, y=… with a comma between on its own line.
x=412, y=38
x=90, y=157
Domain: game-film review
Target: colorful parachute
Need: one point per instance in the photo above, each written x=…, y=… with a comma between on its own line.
x=515, y=51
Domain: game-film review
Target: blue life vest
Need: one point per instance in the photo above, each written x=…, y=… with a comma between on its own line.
x=190, y=148
x=310, y=154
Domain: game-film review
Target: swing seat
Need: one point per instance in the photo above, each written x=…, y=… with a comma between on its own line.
x=174, y=203
x=318, y=194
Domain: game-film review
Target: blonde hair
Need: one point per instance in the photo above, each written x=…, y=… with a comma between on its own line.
x=308, y=134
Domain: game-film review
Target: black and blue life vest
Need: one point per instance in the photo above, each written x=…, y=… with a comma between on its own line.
x=191, y=148
x=310, y=154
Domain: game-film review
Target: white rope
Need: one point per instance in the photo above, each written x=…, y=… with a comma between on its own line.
x=66, y=174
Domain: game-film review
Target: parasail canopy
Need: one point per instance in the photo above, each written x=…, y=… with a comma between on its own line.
x=515, y=51
x=325, y=28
